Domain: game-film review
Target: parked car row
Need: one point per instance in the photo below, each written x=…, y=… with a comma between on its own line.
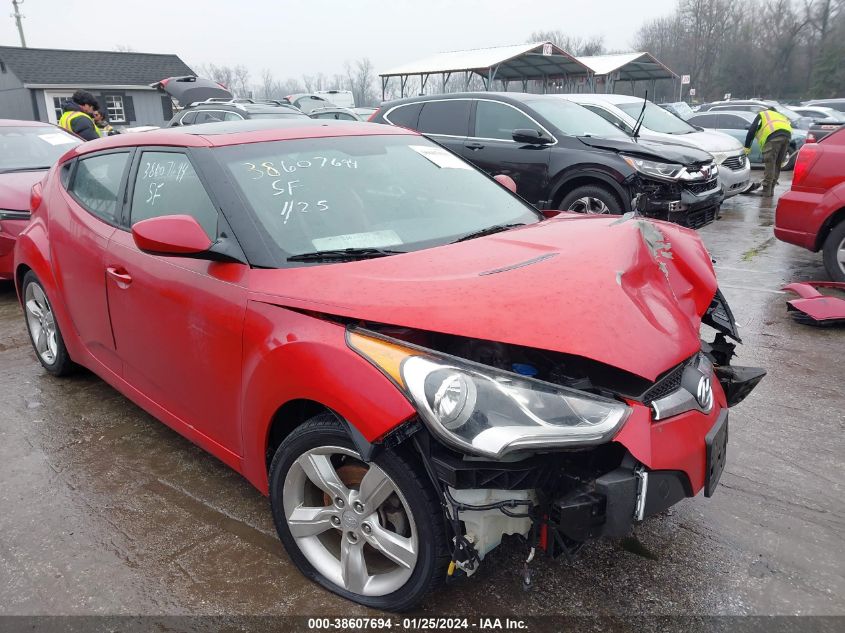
x=564, y=157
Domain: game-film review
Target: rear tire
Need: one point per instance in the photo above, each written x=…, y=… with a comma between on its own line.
x=340, y=532
x=44, y=332
x=592, y=200
x=833, y=252
x=788, y=163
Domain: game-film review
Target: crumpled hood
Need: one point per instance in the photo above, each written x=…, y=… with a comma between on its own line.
x=15, y=188
x=622, y=291
x=650, y=149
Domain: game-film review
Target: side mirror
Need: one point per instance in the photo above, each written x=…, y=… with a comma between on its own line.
x=531, y=137
x=506, y=181
x=171, y=235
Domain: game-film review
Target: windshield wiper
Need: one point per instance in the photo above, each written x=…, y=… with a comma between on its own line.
x=496, y=228
x=340, y=254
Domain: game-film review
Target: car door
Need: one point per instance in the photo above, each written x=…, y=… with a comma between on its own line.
x=178, y=321
x=446, y=121
x=491, y=147
x=82, y=220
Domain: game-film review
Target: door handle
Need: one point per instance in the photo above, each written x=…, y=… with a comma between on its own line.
x=120, y=276
x=474, y=146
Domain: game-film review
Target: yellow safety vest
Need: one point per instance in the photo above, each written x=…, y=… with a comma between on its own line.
x=771, y=121
x=70, y=115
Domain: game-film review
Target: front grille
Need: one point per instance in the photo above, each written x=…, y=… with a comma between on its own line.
x=666, y=385
x=701, y=187
x=734, y=163
x=696, y=219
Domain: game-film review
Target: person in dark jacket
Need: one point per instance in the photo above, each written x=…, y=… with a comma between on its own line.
x=77, y=115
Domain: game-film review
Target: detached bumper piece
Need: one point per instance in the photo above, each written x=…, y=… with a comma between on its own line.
x=737, y=382
x=815, y=308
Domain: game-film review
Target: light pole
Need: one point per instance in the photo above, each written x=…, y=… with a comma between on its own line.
x=17, y=15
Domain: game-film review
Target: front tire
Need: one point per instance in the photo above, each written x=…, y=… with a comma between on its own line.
x=592, y=200
x=44, y=332
x=373, y=533
x=833, y=253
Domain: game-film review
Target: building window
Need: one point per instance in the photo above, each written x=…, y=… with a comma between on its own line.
x=114, y=105
x=57, y=106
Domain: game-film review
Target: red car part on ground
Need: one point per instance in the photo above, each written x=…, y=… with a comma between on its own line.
x=812, y=213
x=365, y=389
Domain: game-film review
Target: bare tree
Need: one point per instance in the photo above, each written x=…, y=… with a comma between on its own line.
x=574, y=45
x=361, y=77
x=240, y=81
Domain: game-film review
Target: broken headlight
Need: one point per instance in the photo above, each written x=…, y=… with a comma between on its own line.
x=664, y=171
x=487, y=411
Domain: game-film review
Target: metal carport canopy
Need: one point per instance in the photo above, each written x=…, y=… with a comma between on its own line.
x=521, y=62
x=629, y=66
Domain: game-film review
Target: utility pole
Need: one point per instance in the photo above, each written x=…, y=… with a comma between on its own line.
x=17, y=15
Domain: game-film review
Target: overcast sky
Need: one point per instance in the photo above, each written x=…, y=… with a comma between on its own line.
x=306, y=36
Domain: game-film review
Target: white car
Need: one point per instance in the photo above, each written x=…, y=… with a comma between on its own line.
x=660, y=125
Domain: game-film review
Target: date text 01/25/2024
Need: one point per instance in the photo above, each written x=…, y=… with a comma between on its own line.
x=418, y=624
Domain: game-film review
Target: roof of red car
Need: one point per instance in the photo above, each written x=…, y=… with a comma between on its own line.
x=240, y=132
x=22, y=123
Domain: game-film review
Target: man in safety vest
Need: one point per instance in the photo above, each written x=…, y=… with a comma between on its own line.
x=773, y=132
x=77, y=115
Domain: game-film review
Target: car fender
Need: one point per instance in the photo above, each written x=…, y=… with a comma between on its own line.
x=32, y=250
x=288, y=356
x=594, y=172
x=829, y=212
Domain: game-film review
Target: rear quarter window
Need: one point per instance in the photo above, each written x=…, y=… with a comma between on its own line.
x=449, y=118
x=405, y=115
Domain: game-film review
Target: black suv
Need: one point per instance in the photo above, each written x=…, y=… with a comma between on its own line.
x=562, y=156
x=213, y=111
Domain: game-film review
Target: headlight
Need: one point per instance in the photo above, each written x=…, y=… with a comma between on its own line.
x=665, y=171
x=487, y=411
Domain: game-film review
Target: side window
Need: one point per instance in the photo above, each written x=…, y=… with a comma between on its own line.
x=445, y=117
x=188, y=119
x=496, y=120
x=405, y=116
x=96, y=184
x=232, y=116
x=609, y=117
x=731, y=122
x=166, y=184
x=703, y=120
x=210, y=116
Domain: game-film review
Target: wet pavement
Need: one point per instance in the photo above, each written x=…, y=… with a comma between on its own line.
x=103, y=510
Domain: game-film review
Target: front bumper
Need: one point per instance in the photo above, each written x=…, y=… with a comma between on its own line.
x=735, y=175
x=614, y=502
x=691, y=204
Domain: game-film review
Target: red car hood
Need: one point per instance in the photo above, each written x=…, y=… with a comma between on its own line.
x=626, y=292
x=15, y=188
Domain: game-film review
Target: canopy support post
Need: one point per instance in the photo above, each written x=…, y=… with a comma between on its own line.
x=423, y=82
x=404, y=81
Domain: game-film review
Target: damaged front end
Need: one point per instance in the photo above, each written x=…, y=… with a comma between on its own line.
x=558, y=448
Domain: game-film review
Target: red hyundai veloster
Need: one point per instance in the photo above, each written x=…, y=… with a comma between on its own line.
x=405, y=356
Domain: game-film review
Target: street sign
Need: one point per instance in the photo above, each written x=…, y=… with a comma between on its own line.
x=684, y=80
x=547, y=49
x=692, y=92
x=727, y=96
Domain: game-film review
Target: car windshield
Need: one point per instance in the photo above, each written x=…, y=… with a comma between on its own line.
x=574, y=120
x=28, y=147
x=401, y=193
x=656, y=118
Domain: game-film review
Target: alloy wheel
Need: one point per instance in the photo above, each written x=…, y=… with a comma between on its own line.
x=589, y=205
x=41, y=322
x=840, y=255
x=350, y=520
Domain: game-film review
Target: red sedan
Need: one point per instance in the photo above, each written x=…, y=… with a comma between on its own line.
x=812, y=213
x=27, y=150
x=405, y=356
